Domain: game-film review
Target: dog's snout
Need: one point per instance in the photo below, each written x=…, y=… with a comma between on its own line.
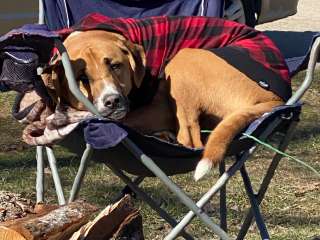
x=113, y=101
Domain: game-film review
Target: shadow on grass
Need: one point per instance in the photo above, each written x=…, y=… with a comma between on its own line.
x=27, y=159
x=292, y=220
x=101, y=193
x=285, y=219
x=10, y=135
x=305, y=133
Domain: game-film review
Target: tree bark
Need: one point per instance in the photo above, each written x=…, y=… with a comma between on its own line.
x=59, y=223
x=115, y=221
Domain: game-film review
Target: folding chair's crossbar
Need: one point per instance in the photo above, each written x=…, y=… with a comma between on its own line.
x=128, y=190
x=146, y=198
x=183, y=197
x=221, y=182
x=55, y=175
x=254, y=204
x=266, y=180
x=223, y=199
x=40, y=175
x=78, y=180
x=81, y=173
x=220, y=185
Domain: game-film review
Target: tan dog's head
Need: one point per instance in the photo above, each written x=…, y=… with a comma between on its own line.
x=106, y=66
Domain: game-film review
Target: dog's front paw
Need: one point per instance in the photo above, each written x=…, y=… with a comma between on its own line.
x=203, y=168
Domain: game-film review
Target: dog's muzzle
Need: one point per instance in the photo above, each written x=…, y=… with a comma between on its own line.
x=115, y=106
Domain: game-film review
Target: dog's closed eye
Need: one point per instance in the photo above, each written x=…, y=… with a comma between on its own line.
x=115, y=66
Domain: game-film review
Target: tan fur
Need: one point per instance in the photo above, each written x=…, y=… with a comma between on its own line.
x=88, y=51
x=201, y=83
x=206, y=91
x=92, y=53
x=158, y=116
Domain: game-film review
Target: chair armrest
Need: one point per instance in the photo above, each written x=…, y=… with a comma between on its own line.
x=305, y=85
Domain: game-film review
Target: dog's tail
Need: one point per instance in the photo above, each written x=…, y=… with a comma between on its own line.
x=225, y=132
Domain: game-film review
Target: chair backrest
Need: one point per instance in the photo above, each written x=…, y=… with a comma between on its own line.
x=65, y=13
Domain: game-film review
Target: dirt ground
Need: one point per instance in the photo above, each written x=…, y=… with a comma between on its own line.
x=306, y=19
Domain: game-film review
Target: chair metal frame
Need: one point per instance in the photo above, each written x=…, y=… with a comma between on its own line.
x=195, y=208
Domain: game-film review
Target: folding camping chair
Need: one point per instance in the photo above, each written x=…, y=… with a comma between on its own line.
x=154, y=157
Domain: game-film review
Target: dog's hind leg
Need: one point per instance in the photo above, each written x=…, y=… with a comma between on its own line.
x=224, y=133
x=189, y=128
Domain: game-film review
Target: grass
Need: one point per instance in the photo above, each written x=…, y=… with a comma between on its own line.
x=291, y=207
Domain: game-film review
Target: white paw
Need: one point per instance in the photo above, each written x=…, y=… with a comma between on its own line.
x=203, y=167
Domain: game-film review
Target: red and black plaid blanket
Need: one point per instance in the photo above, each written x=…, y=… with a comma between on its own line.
x=162, y=37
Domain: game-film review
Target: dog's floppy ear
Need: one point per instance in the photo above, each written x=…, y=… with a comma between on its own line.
x=137, y=59
x=52, y=76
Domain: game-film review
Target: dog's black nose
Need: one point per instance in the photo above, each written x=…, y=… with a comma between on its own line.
x=113, y=101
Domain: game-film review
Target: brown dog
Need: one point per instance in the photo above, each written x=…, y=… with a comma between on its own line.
x=201, y=84
x=205, y=86
x=106, y=66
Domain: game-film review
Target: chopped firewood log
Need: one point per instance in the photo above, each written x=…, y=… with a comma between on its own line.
x=40, y=209
x=59, y=223
x=111, y=221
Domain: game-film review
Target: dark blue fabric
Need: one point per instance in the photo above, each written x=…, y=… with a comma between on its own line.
x=35, y=36
x=102, y=134
x=265, y=119
x=295, y=47
x=57, y=17
x=19, y=68
x=4, y=87
x=27, y=30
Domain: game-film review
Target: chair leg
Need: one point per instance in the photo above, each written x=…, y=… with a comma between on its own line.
x=128, y=190
x=185, y=199
x=266, y=180
x=265, y=183
x=55, y=175
x=223, y=199
x=224, y=178
x=81, y=173
x=40, y=175
x=52, y=163
x=254, y=204
x=148, y=200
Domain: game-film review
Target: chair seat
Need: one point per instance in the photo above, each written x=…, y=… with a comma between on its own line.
x=171, y=158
